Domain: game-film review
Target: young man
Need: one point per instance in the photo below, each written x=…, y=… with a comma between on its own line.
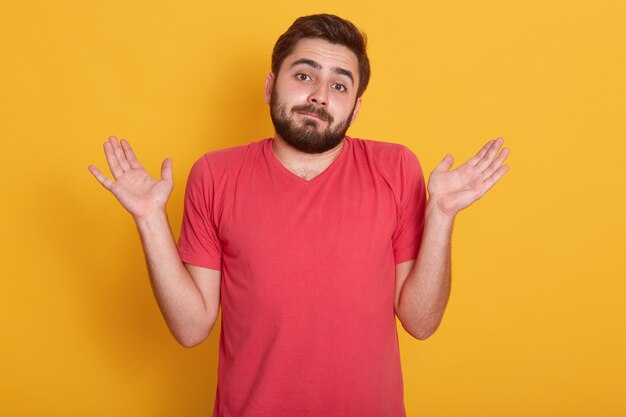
x=311, y=241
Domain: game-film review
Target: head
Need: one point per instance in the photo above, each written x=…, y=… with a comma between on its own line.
x=332, y=29
x=319, y=72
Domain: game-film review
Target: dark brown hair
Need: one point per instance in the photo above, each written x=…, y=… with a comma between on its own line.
x=330, y=28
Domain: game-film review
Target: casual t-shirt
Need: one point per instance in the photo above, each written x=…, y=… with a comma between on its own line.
x=308, y=276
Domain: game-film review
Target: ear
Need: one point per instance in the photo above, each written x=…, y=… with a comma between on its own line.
x=357, y=107
x=269, y=86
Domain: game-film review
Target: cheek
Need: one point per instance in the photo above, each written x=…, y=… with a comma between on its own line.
x=342, y=111
x=291, y=100
x=294, y=92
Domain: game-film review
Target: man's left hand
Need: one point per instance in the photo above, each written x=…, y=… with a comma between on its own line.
x=452, y=191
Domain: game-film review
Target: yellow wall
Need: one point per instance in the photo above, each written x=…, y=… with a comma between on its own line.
x=536, y=321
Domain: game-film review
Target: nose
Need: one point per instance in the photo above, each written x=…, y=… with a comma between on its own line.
x=319, y=95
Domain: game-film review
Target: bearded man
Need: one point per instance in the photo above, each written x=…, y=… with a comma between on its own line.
x=312, y=242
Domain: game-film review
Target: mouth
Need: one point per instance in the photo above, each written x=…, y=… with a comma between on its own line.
x=315, y=116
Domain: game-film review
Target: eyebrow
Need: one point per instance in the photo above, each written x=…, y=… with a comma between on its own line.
x=316, y=65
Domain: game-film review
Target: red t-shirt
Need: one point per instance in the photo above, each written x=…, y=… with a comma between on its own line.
x=308, y=276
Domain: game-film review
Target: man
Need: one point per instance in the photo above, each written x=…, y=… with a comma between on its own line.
x=312, y=242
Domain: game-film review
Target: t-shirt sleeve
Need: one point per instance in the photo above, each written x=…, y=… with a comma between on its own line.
x=411, y=206
x=199, y=243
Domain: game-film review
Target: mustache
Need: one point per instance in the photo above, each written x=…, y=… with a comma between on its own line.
x=310, y=108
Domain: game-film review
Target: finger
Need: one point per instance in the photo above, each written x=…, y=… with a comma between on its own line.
x=491, y=153
x=114, y=165
x=445, y=164
x=497, y=163
x=119, y=154
x=102, y=179
x=130, y=155
x=495, y=177
x=166, y=170
x=474, y=160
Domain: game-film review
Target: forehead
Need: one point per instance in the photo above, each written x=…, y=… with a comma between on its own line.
x=328, y=55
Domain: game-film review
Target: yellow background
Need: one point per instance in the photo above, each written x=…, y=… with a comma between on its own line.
x=535, y=324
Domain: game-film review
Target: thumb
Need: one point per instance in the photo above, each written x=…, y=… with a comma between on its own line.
x=445, y=164
x=166, y=170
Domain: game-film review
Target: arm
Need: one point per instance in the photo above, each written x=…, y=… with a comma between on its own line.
x=423, y=285
x=187, y=295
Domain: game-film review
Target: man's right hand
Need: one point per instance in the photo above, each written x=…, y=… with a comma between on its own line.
x=135, y=189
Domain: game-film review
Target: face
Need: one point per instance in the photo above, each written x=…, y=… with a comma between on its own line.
x=313, y=99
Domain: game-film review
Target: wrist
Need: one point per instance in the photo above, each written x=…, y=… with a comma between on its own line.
x=151, y=219
x=434, y=212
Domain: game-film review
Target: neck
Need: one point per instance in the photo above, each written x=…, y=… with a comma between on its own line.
x=302, y=164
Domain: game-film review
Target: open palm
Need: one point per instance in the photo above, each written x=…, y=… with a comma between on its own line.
x=135, y=189
x=455, y=190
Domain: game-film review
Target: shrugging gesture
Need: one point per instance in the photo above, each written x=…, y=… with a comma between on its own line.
x=135, y=189
x=423, y=285
x=188, y=295
x=452, y=191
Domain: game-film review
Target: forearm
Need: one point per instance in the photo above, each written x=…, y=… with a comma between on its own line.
x=178, y=297
x=426, y=291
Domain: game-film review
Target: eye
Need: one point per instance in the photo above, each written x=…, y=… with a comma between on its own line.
x=303, y=77
x=339, y=87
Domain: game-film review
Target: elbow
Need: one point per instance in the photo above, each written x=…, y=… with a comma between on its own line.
x=420, y=331
x=192, y=339
x=422, y=334
x=190, y=342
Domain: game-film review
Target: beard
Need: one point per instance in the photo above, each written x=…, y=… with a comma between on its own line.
x=306, y=138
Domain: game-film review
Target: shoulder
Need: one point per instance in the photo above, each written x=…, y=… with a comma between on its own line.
x=225, y=162
x=387, y=157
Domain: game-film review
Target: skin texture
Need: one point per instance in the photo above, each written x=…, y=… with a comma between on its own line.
x=313, y=76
